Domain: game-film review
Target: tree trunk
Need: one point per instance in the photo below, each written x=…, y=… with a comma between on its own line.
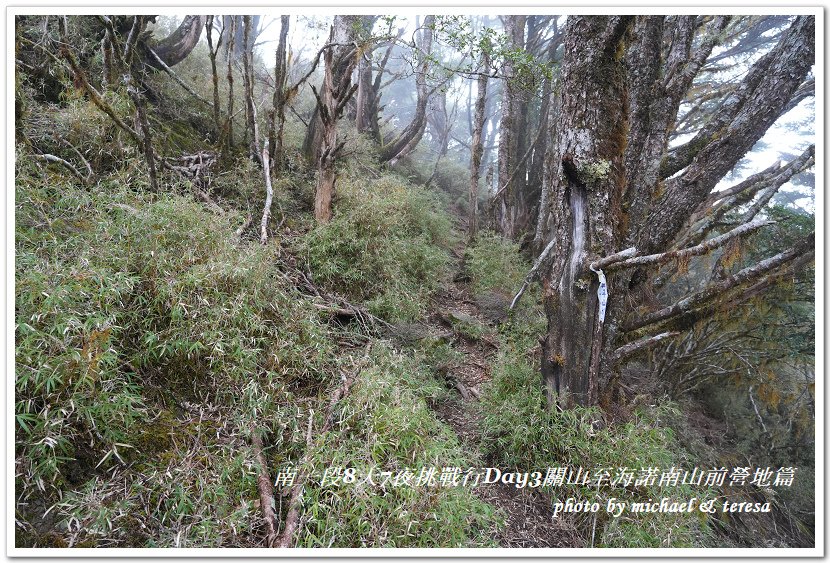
x=229, y=118
x=330, y=104
x=325, y=169
x=235, y=48
x=509, y=132
x=412, y=133
x=146, y=139
x=439, y=124
x=248, y=81
x=366, y=103
x=212, y=53
x=588, y=152
x=175, y=47
x=277, y=113
x=622, y=82
x=346, y=38
x=476, y=148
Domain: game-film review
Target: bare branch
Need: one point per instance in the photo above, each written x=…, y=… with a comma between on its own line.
x=266, y=491
x=269, y=194
x=533, y=273
x=175, y=77
x=603, y=263
x=67, y=165
x=637, y=345
x=664, y=257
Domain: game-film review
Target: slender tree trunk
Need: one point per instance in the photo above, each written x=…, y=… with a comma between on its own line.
x=229, y=118
x=248, y=80
x=476, y=148
x=277, y=113
x=326, y=171
x=146, y=140
x=214, y=74
x=509, y=129
x=365, y=105
x=106, y=52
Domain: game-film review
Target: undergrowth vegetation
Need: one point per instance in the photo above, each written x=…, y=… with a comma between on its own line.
x=518, y=432
x=386, y=429
x=386, y=246
x=151, y=343
x=495, y=263
x=157, y=341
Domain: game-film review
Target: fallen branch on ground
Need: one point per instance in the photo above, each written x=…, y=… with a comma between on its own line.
x=65, y=164
x=266, y=491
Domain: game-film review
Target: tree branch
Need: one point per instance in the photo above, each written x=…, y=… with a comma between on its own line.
x=269, y=194
x=637, y=345
x=533, y=273
x=95, y=96
x=67, y=165
x=266, y=491
x=664, y=257
x=175, y=77
x=715, y=290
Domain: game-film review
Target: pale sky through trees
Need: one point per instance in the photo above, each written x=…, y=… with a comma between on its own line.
x=790, y=135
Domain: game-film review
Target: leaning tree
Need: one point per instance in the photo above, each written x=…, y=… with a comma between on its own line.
x=619, y=201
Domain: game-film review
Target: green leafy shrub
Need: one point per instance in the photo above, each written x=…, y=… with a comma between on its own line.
x=386, y=245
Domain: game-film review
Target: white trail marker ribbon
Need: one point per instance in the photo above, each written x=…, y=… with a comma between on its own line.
x=602, y=293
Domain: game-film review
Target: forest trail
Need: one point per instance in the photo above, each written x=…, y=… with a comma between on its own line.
x=527, y=512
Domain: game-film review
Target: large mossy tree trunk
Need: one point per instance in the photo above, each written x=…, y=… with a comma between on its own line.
x=585, y=212
x=608, y=204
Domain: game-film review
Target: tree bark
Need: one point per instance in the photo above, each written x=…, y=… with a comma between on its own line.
x=330, y=104
x=174, y=48
x=509, y=207
x=248, y=81
x=346, y=31
x=212, y=53
x=622, y=82
x=277, y=113
x=586, y=194
x=412, y=133
x=228, y=131
x=476, y=148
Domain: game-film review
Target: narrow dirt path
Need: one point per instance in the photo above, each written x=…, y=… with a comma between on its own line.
x=529, y=520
